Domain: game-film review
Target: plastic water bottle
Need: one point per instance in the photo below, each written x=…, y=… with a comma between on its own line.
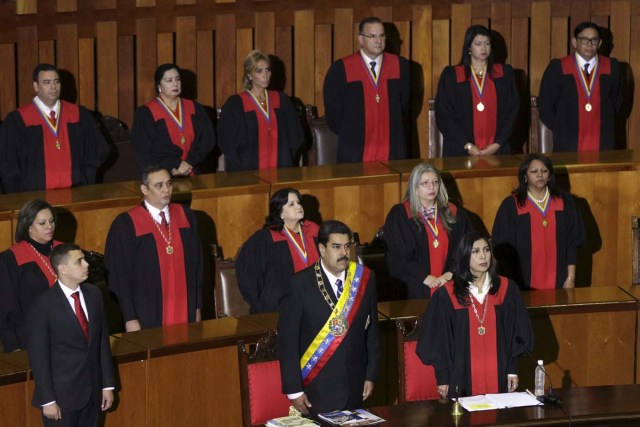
x=539, y=380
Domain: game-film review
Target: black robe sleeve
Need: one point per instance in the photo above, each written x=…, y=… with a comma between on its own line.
x=508, y=106
x=504, y=238
x=335, y=87
x=11, y=316
x=292, y=136
x=233, y=137
x=550, y=94
x=251, y=265
x=204, y=140
x=448, y=113
x=96, y=149
x=12, y=138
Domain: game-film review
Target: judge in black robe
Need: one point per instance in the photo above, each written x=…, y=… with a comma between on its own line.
x=366, y=112
x=562, y=99
x=451, y=339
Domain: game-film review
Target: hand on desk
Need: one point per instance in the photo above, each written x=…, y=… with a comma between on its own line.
x=301, y=404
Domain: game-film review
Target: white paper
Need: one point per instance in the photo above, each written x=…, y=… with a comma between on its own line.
x=487, y=402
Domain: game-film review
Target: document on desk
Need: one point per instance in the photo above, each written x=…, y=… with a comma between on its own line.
x=487, y=402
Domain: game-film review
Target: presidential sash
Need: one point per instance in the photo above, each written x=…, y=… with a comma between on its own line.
x=329, y=338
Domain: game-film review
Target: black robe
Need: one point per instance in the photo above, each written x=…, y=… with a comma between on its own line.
x=303, y=313
x=511, y=240
x=444, y=340
x=558, y=106
x=22, y=159
x=454, y=111
x=408, y=249
x=264, y=268
x=133, y=272
x=153, y=144
x=345, y=110
x=238, y=134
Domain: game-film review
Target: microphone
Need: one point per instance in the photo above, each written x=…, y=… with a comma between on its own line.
x=551, y=398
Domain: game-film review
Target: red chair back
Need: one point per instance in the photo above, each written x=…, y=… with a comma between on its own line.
x=417, y=381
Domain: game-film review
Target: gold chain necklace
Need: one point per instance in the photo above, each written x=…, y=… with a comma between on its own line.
x=481, y=329
x=338, y=323
x=46, y=264
x=169, y=248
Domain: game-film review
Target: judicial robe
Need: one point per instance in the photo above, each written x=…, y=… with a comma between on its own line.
x=29, y=160
x=558, y=103
x=446, y=340
x=134, y=272
x=367, y=129
x=455, y=108
x=512, y=241
x=409, y=248
x=22, y=279
x=266, y=263
x=303, y=313
x=152, y=136
x=239, y=130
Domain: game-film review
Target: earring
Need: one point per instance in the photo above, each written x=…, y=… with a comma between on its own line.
x=159, y=90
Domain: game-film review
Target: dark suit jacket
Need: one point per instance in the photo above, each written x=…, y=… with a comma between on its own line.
x=66, y=368
x=303, y=313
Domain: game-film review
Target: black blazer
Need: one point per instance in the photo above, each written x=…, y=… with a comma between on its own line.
x=65, y=367
x=303, y=313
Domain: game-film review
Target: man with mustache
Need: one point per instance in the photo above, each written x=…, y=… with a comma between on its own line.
x=49, y=143
x=328, y=329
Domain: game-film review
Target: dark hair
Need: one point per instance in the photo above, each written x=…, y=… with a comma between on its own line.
x=465, y=59
x=27, y=215
x=462, y=271
x=276, y=203
x=583, y=26
x=521, y=191
x=157, y=76
x=330, y=227
x=144, y=178
x=42, y=67
x=59, y=254
x=369, y=20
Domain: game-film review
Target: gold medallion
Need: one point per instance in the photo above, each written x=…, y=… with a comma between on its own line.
x=436, y=243
x=544, y=223
x=170, y=249
x=480, y=106
x=58, y=144
x=377, y=98
x=588, y=107
x=182, y=140
x=481, y=330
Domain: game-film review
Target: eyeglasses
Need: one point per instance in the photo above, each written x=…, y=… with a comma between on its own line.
x=374, y=36
x=427, y=184
x=585, y=41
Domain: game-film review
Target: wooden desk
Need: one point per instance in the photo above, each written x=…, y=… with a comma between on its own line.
x=587, y=406
x=12, y=393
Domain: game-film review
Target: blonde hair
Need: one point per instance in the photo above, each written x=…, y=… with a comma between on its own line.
x=250, y=62
x=442, y=198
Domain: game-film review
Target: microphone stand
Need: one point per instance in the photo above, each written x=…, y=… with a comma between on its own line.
x=550, y=399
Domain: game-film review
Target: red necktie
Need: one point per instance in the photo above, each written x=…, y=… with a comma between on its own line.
x=163, y=220
x=52, y=115
x=82, y=318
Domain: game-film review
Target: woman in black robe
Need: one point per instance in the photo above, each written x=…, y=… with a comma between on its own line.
x=475, y=327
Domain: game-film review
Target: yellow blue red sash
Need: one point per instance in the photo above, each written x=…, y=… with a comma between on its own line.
x=326, y=343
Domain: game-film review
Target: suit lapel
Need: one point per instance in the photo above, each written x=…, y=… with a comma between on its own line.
x=329, y=287
x=68, y=312
x=92, y=310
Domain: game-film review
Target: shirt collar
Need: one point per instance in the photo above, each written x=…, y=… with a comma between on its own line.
x=155, y=212
x=330, y=276
x=67, y=290
x=46, y=110
x=378, y=58
x=582, y=61
x=485, y=288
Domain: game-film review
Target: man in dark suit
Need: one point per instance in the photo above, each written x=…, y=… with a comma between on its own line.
x=328, y=329
x=68, y=343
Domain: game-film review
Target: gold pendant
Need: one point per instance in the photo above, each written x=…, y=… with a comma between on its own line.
x=588, y=107
x=170, y=249
x=436, y=243
x=338, y=326
x=377, y=98
x=58, y=144
x=481, y=330
x=182, y=140
x=544, y=223
x=480, y=106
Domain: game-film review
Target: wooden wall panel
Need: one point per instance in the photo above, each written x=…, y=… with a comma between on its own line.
x=8, y=81
x=108, y=68
x=422, y=43
x=67, y=58
x=560, y=38
x=322, y=63
x=27, y=41
x=541, y=44
x=244, y=45
x=166, y=49
x=66, y=6
x=204, y=68
x=621, y=28
x=441, y=57
x=87, y=73
x=146, y=59
x=186, y=48
x=126, y=80
x=303, y=39
x=519, y=53
x=343, y=33
x=501, y=23
x=26, y=7
x=404, y=31
x=265, y=33
x=284, y=51
x=460, y=21
x=47, y=51
x=226, y=75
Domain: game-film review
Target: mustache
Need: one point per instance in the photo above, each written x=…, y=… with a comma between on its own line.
x=344, y=258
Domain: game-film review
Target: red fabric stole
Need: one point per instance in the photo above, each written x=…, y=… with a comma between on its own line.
x=437, y=256
x=188, y=111
x=25, y=253
x=172, y=267
x=57, y=162
x=484, y=122
x=483, y=348
x=267, y=128
x=309, y=230
x=588, y=121
x=543, y=242
x=376, y=113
